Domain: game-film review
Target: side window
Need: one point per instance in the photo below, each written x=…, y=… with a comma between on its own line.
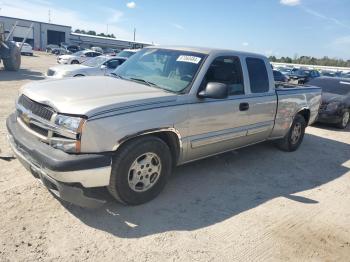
x=226, y=70
x=89, y=54
x=112, y=64
x=259, y=80
x=95, y=54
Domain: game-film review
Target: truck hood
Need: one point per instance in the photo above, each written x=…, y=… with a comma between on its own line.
x=92, y=95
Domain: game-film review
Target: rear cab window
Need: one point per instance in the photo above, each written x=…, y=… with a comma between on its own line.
x=258, y=76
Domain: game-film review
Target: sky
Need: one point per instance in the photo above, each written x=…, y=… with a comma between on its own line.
x=270, y=27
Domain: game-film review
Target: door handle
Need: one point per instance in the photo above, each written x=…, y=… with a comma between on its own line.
x=243, y=106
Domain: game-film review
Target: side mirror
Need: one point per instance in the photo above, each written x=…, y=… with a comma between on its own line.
x=214, y=90
x=103, y=67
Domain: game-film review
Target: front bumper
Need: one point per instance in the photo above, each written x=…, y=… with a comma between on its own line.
x=67, y=176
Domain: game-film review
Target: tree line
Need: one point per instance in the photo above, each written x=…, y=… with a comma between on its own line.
x=91, y=32
x=309, y=60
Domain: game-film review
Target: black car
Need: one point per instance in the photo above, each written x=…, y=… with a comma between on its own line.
x=335, y=106
x=279, y=77
x=301, y=76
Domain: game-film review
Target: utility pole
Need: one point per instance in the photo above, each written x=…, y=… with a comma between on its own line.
x=107, y=29
x=134, y=34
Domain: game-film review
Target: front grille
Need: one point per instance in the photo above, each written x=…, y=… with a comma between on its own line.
x=39, y=130
x=36, y=108
x=50, y=72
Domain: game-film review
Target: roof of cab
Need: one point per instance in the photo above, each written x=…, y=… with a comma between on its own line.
x=206, y=50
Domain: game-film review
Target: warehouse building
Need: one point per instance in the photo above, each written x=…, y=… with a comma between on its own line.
x=40, y=34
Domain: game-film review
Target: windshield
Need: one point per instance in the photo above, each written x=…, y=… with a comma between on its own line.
x=126, y=54
x=95, y=62
x=171, y=70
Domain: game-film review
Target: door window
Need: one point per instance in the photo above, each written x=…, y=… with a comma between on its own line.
x=226, y=70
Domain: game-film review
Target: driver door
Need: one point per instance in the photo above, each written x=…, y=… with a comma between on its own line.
x=218, y=125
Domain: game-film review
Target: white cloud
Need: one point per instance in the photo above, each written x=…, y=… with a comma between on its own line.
x=177, y=26
x=324, y=17
x=290, y=2
x=131, y=5
x=245, y=44
x=37, y=10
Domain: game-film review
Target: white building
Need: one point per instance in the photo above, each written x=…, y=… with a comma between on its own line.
x=43, y=34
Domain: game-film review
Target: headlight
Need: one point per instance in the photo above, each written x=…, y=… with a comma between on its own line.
x=69, y=122
x=70, y=129
x=333, y=106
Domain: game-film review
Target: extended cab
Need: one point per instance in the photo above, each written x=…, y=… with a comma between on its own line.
x=162, y=108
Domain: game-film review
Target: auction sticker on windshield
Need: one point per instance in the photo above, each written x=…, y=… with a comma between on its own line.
x=189, y=59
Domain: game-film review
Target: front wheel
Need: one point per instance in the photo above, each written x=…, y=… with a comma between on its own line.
x=75, y=62
x=140, y=170
x=295, y=135
x=344, y=121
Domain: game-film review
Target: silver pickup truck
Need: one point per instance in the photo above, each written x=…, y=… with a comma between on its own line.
x=164, y=107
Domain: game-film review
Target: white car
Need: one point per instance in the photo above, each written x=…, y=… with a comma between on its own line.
x=101, y=65
x=26, y=48
x=78, y=57
x=128, y=52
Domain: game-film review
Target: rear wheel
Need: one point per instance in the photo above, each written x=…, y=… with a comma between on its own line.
x=295, y=135
x=140, y=170
x=13, y=62
x=344, y=121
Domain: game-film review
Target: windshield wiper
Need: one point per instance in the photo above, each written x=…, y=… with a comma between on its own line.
x=146, y=82
x=116, y=75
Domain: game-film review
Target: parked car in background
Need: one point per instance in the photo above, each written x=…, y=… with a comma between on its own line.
x=128, y=52
x=97, y=49
x=78, y=57
x=331, y=73
x=100, y=65
x=284, y=70
x=335, y=106
x=162, y=108
x=50, y=47
x=279, y=77
x=345, y=75
x=26, y=48
x=301, y=76
x=72, y=48
x=111, y=51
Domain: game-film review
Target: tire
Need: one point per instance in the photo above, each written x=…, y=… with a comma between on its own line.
x=345, y=120
x=295, y=135
x=13, y=62
x=135, y=166
x=78, y=75
x=75, y=62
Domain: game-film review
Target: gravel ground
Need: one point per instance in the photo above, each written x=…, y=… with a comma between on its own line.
x=254, y=204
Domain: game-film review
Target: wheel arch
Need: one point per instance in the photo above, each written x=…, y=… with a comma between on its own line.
x=169, y=135
x=305, y=112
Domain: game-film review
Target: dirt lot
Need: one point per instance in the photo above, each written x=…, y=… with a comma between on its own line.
x=254, y=204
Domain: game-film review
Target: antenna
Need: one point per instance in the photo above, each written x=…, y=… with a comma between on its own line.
x=49, y=16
